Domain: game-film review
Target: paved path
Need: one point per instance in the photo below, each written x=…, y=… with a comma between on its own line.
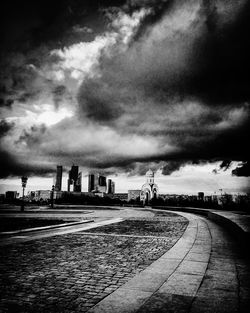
x=45, y=233
x=73, y=271
x=205, y=271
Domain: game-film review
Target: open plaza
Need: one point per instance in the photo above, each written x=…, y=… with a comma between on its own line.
x=123, y=259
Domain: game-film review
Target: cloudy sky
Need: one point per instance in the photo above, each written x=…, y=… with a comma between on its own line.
x=121, y=86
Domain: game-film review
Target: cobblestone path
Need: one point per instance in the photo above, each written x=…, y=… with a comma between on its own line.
x=73, y=272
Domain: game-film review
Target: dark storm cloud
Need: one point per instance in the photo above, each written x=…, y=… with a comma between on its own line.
x=172, y=166
x=180, y=83
x=223, y=77
x=99, y=101
x=5, y=127
x=30, y=30
x=225, y=164
x=205, y=61
x=11, y=166
x=28, y=24
x=6, y=102
x=243, y=170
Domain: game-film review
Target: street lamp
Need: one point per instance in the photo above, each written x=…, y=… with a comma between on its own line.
x=52, y=196
x=24, y=183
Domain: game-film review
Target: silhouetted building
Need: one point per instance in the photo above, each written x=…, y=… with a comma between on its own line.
x=11, y=195
x=102, y=181
x=58, y=184
x=73, y=173
x=73, y=177
x=91, y=183
x=201, y=196
x=110, y=187
x=97, y=183
x=78, y=184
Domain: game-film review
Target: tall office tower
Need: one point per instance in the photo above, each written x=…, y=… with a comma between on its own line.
x=102, y=181
x=91, y=184
x=112, y=187
x=78, y=183
x=102, y=184
x=96, y=182
x=109, y=186
x=59, y=171
x=73, y=176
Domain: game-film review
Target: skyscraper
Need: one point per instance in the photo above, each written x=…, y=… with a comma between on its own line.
x=111, y=187
x=59, y=171
x=102, y=181
x=78, y=183
x=102, y=184
x=73, y=173
x=91, y=183
x=97, y=183
x=73, y=176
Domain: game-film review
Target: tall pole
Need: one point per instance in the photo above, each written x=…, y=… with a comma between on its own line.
x=24, y=182
x=52, y=197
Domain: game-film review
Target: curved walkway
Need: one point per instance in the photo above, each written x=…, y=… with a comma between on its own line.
x=204, y=272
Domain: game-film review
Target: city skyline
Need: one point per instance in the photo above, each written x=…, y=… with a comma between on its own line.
x=187, y=182
x=118, y=87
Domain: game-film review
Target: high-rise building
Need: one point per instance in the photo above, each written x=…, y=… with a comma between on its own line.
x=73, y=177
x=109, y=186
x=59, y=171
x=112, y=187
x=97, y=183
x=73, y=173
x=78, y=183
x=91, y=183
x=102, y=181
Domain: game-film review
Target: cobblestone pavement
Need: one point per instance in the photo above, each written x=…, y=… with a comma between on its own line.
x=73, y=272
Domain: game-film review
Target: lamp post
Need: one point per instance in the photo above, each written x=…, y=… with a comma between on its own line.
x=24, y=183
x=52, y=197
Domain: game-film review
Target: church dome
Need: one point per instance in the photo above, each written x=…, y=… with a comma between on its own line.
x=150, y=173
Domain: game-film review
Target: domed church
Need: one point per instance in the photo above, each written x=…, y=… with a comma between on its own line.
x=150, y=189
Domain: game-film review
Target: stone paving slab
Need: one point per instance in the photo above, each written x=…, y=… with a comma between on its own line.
x=204, y=271
x=182, y=284
x=122, y=301
x=74, y=271
x=165, y=275
x=209, y=274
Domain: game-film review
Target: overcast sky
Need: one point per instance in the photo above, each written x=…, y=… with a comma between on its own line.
x=118, y=87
